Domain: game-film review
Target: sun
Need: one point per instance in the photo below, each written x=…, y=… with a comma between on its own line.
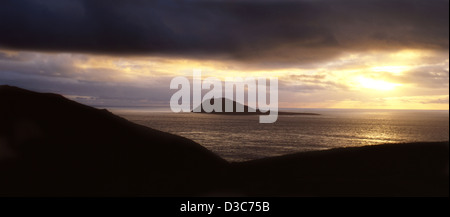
x=370, y=83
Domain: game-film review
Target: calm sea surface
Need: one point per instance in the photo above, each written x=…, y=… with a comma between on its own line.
x=240, y=138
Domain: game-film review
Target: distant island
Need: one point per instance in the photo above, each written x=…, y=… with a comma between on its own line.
x=52, y=146
x=247, y=110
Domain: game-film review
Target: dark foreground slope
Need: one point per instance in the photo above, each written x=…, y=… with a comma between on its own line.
x=50, y=145
x=412, y=169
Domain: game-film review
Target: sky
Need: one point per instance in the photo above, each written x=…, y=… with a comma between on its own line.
x=371, y=54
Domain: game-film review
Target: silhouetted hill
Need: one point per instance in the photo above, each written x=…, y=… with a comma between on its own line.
x=50, y=145
x=247, y=110
x=411, y=169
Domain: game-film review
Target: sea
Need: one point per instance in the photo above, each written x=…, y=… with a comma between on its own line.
x=242, y=138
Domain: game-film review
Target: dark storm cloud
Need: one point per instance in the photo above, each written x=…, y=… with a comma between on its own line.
x=299, y=31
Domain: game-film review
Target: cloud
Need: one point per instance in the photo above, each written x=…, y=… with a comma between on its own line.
x=300, y=31
x=93, y=92
x=92, y=80
x=118, y=81
x=309, y=83
x=430, y=77
x=443, y=100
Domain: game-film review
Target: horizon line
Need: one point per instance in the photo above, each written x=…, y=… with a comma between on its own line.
x=281, y=108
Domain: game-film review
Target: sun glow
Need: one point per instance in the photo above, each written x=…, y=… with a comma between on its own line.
x=391, y=69
x=376, y=84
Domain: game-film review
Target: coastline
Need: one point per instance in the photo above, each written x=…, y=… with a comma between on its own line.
x=92, y=152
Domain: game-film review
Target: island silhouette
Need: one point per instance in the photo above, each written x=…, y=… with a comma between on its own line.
x=247, y=110
x=52, y=146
